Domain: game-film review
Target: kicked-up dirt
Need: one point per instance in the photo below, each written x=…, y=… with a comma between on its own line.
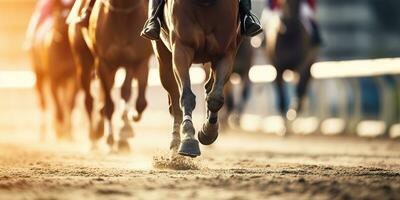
x=238, y=166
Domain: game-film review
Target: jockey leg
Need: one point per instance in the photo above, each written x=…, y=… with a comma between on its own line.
x=85, y=14
x=250, y=25
x=152, y=27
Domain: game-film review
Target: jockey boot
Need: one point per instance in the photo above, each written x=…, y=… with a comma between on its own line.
x=152, y=27
x=84, y=17
x=250, y=25
x=316, y=39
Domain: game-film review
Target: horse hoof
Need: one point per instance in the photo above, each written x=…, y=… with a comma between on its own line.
x=123, y=146
x=208, y=134
x=189, y=147
x=126, y=132
x=93, y=146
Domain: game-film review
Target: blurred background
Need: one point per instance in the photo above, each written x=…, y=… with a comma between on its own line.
x=352, y=98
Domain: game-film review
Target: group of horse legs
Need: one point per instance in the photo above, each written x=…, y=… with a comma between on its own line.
x=112, y=41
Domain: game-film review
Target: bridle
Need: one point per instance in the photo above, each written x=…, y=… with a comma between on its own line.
x=113, y=8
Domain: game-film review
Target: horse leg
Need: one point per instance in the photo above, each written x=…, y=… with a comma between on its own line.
x=169, y=83
x=245, y=94
x=182, y=57
x=142, y=77
x=84, y=61
x=71, y=98
x=59, y=116
x=85, y=80
x=301, y=88
x=126, y=130
x=107, y=76
x=281, y=93
x=215, y=99
x=226, y=112
x=42, y=104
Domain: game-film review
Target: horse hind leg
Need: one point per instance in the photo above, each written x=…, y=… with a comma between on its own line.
x=227, y=111
x=215, y=99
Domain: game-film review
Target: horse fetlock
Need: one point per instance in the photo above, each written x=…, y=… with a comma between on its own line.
x=141, y=105
x=187, y=130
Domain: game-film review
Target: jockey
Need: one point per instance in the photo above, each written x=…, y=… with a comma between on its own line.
x=250, y=24
x=308, y=17
x=43, y=10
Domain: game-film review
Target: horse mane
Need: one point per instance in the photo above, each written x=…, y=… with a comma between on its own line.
x=205, y=2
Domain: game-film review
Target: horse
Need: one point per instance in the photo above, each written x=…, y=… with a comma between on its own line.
x=53, y=66
x=84, y=61
x=289, y=47
x=113, y=36
x=243, y=63
x=202, y=31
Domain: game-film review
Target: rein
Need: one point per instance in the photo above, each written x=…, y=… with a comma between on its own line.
x=113, y=8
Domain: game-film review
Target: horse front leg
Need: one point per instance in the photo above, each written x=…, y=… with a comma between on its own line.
x=141, y=102
x=215, y=98
x=182, y=57
x=107, y=81
x=169, y=83
x=126, y=130
x=42, y=104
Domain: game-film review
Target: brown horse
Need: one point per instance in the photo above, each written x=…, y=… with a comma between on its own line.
x=113, y=36
x=85, y=66
x=289, y=47
x=202, y=31
x=53, y=66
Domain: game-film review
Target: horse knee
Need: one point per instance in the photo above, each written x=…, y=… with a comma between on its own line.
x=215, y=102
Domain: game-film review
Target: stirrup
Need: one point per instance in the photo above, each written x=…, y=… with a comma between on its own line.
x=256, y=25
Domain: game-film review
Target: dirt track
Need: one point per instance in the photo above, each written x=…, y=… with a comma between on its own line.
x=239, y=166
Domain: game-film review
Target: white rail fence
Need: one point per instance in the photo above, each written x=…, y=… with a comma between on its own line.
x=346, y=97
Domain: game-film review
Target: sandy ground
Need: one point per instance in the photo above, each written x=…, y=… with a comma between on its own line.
x=239, y=166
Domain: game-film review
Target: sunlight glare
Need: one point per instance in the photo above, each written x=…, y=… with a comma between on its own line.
x=17, y=79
